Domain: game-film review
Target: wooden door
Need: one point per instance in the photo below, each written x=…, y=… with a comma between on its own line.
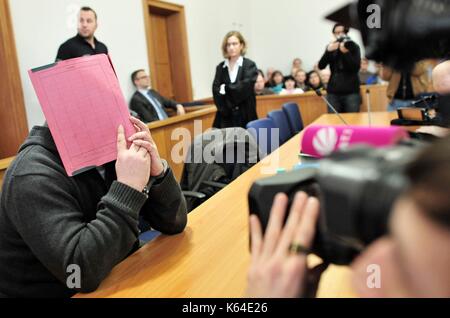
x=163, y=71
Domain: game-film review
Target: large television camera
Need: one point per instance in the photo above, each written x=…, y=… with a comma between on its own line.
x=356, y=189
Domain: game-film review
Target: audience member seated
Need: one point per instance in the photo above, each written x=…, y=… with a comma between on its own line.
x=366, y=77
x=147, y=103
x=313, y=81
x=276, y=82
x=260, y=88
x=290, y=87
x=269, y=74
x=297, y=65
x=300, y=78
x=325, y=75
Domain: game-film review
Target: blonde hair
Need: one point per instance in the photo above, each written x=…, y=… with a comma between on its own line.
x=241, y=40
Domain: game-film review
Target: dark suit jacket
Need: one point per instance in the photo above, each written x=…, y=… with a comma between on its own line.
x=240, y=95
x=147, y=113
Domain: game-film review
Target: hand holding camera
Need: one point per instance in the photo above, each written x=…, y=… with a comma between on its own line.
x=333, y=46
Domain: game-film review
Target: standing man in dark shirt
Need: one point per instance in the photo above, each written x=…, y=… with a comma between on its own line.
x=84, y=43
x=344, y=58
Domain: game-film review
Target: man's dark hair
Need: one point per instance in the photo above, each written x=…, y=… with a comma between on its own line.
x=134, y=75
x=337, y=25
x=430, y=180
x=89, y=9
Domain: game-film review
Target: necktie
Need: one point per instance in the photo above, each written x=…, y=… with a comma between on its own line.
x=158, y=107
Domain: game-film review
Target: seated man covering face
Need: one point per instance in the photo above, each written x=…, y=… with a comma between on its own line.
x=53, y=226
x=149, y=104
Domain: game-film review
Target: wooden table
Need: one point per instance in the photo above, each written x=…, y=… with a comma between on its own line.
x=211, y=258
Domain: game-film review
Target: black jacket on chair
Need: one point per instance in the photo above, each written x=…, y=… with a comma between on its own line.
x=239, y=96
x=142, y=106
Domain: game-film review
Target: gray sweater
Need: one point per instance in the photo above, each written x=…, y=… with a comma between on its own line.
x=49, y=221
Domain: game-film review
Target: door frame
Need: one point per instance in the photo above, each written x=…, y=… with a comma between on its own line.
x=177, y=38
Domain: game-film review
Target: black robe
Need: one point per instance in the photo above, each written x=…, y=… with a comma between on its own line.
x=238, y=106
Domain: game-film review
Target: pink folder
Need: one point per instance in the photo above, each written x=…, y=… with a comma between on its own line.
x=84, y=106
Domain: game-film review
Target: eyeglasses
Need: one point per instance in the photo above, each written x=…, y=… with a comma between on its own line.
x=142, y=77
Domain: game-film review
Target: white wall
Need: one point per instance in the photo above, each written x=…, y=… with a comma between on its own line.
x=285, y=29
x=276, y=31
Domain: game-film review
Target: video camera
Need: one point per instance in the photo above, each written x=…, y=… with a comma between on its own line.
x=348, y=42
x=357, y=187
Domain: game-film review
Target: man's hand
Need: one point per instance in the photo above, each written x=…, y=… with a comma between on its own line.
x=180, y=110
x=333, y=46
x=133, y=164
x=143, y=138
x=279, y=267
x=343, y=48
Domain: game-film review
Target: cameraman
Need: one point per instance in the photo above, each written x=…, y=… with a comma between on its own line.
x=413, y=257
x=441, y=83
x=344, y=58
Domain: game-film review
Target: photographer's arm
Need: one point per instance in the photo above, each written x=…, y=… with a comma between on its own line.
x=325, y=60
x=351, y=58
x=276, y=270
x=385, y=73
x=419, y=69
x=329, y=55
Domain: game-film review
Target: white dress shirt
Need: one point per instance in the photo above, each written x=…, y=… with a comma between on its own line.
x=234, y=73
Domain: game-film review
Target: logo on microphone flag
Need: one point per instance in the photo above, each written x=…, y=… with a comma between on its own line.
x=325, y=141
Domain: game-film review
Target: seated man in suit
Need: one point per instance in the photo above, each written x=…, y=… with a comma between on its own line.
x=147, y=103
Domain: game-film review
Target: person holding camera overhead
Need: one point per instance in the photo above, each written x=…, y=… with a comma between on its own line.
x=234, y=82
x=344, y=57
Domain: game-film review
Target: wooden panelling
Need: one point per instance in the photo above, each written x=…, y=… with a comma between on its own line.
x=12, y=106
x=377, y=96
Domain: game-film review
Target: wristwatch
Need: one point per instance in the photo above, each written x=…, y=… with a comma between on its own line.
x=164, y=172
x=155, y=179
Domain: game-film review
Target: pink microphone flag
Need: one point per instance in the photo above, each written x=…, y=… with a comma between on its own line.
x=320, y=141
